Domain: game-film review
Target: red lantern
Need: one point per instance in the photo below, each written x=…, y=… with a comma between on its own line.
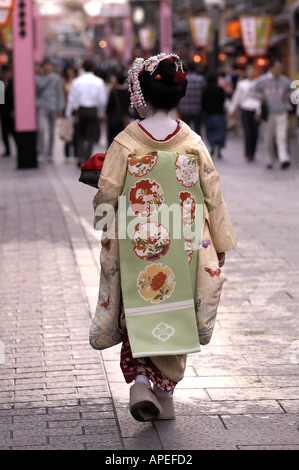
x=262, y=62
x=222, y=57
x=6, y=11
x=241, y=60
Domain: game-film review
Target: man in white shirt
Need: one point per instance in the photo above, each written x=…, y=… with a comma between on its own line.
x=88, y=97
x=250, y=111
x=274, y=89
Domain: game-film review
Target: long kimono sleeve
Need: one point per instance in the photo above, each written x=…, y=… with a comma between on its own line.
x=215, y=210
x=111, y=181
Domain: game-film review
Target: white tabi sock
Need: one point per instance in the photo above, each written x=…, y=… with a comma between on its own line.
x=143, y=379
x=161, y=393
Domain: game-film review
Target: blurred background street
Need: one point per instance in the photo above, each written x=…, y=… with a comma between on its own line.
x=241, y=392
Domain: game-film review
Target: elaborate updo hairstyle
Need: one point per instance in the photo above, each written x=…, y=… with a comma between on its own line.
x=163, y=88
x=159, y=80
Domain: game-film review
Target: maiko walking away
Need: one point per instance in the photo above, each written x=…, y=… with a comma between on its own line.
x=159, y=293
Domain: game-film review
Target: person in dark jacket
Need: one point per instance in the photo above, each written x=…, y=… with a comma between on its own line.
x=118, y=106
x=7, y=110
x=213, y=105
x=190, y=106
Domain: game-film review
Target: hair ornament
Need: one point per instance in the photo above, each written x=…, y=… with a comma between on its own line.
x=179, y=77
x=180, y=73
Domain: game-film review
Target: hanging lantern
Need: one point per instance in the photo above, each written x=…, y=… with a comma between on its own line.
x=262, y=62
x=256, y=32
x=200, y=27
x=6, y=11
x=222, y=57
x=233, y=29
x=241, y=60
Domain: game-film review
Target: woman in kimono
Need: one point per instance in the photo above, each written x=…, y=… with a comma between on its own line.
x=165, y=233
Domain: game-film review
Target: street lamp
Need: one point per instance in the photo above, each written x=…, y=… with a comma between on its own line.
x=215, y=6
x=6, y=11
x=92, y=8
x=138, y=15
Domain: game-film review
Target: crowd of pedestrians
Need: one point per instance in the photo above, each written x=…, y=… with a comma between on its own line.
x=83, y=101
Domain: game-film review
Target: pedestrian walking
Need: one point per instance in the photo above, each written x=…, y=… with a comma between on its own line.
x=159, y=290
x=250, y=111
x=69, y=73
x=88, y=98
x=274, y=90
x=213, y=101
x=117, y=111
x=49, y=104
x=190, y=105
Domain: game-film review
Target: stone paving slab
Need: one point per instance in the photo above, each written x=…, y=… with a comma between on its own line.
x=53, y=393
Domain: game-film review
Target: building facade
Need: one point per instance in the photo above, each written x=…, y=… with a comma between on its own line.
x=283, y=41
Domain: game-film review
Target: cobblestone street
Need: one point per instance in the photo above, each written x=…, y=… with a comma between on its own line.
x=240, y=393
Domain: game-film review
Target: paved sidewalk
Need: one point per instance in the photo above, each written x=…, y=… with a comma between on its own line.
x=240, y=392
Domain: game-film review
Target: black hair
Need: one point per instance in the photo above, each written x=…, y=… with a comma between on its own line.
x=68, y=66
x=162, y=93
x=213, y=78
x=191, y=66
x=46, y=60
x=88, y=65
x=120, y=77
x=273, y=61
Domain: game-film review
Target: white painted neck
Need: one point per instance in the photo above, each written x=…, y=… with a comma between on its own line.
x=158, y=123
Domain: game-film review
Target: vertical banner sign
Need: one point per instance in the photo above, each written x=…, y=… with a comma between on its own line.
x=38, y=39
x=127, y=32
x=23, y=66
x=200, y=27
x=147, y=38
x=166, y=27
x=256, y=32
